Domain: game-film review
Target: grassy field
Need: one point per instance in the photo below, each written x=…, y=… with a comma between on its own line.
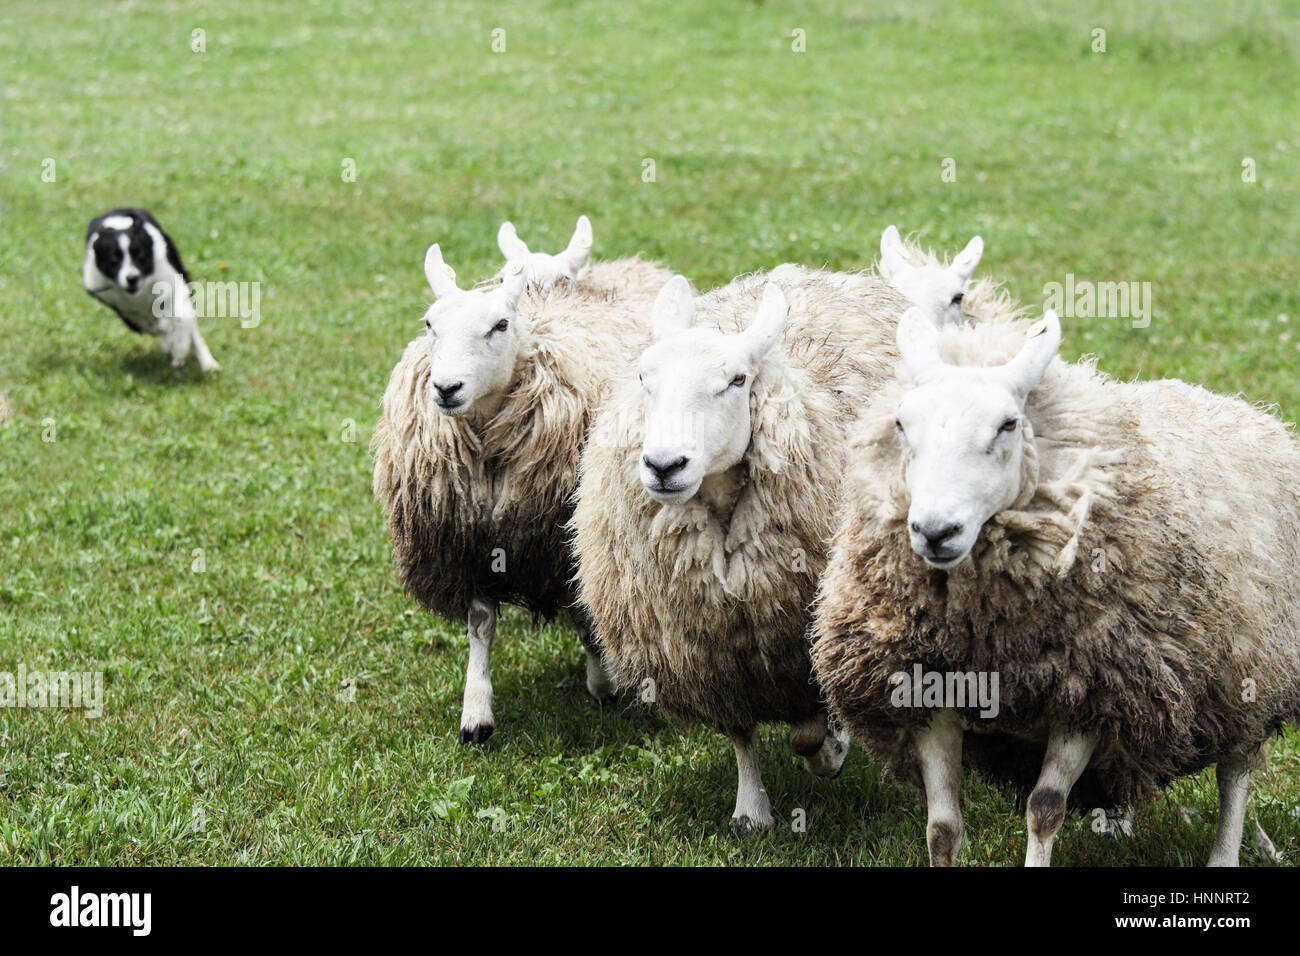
x=229, y=734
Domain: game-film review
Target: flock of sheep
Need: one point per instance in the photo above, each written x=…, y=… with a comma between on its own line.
x=777, y=501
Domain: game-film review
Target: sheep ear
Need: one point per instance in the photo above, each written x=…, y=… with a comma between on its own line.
x=508, y=241
x=891, y=251
x=513, y=279
x=442, y=277
x=579, y=246
x=918, y=344
x=968, y=259
x=768, y=324
x=673, y=309
x=1042, y=341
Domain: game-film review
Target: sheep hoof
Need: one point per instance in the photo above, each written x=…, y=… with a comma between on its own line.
x=746, y=824
x=477, y=734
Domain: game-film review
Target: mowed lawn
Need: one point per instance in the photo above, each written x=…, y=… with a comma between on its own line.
x=211, y=544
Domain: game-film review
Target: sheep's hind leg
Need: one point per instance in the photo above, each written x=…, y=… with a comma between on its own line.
x=938, y=749
x=821, y=745
x=1234, y=790
x=753, y=810
x=1067, y=756
x=600, y=683
x=476, y=715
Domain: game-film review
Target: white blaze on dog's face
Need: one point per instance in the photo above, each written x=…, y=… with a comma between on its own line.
x=473, y=336
x=543, y=269
x=695, y=386
x=936, y=290
x=961, y=432
x=122, y=252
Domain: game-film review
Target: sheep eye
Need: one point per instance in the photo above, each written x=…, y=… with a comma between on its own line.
x=898, y=425
x=1010, y=424
x=739, y=380
x=501, y=326
x=956, y=300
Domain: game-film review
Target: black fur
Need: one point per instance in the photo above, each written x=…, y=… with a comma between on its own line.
x=108, y=254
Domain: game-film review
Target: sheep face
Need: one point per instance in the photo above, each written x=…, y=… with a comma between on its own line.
x=962, y=432
x=473, y=337
x=936, y=290
x=542, y=269
x=696, y=386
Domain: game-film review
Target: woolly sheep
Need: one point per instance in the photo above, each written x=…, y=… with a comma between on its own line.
x=1124, y=557
x=706, y=501
x=476, y=453
x=936, y=288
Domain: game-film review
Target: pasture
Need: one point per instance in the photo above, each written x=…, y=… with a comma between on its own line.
x=210, y=543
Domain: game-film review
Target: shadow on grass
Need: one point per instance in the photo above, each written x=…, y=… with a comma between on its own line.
x=138, y=358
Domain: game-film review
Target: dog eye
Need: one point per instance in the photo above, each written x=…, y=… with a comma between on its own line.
x=1010, y=424
x=738, y=381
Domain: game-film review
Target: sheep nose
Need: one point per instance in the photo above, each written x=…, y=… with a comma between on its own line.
x=445, y=392
x=663, y=470
x=935, y=534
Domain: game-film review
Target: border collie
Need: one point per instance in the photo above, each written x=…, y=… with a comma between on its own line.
x=132, y=266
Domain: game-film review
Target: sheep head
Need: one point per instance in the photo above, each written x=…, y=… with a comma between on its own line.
x=543, y=269
x=934, y=289
x=695, y=388
x=473, y=336
x=963, y=432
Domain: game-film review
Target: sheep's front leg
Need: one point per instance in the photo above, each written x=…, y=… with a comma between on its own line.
x=752, y=807
x=1234, y=789
x=821, y=745
x=1067, y=756
x=476, y=714
x=938, y=749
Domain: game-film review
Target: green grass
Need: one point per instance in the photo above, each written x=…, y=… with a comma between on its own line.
x=223, y=687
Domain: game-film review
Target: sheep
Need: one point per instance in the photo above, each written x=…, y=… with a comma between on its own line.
x=706, y=499
x=1123, y=557
x=477, y=449
x=938, y=289
x=544, y=269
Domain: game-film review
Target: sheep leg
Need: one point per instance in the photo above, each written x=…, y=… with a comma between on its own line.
x=752, y=807
x=821, y=745
x=938, y=749
x=476, y=715
x=1234, y=789
x=1067, y=756
x=600, y=683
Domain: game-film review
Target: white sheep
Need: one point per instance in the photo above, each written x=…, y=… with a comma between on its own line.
x=707, y=498
x=476, y=454
x=936, y=288
x=1123, y=558
x=545, y=269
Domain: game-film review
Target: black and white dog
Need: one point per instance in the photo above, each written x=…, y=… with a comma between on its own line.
x=132, y=266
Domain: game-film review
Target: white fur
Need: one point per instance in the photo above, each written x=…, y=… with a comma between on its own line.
x=473, y=337
x=161, y=301
x=695, y=392
x=544, y=269
x=960, y=427
x=937, y=290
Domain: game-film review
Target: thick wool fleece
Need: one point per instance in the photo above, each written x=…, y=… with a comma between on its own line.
x=1144, y=586
x=480, y=511
x=713, y=608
